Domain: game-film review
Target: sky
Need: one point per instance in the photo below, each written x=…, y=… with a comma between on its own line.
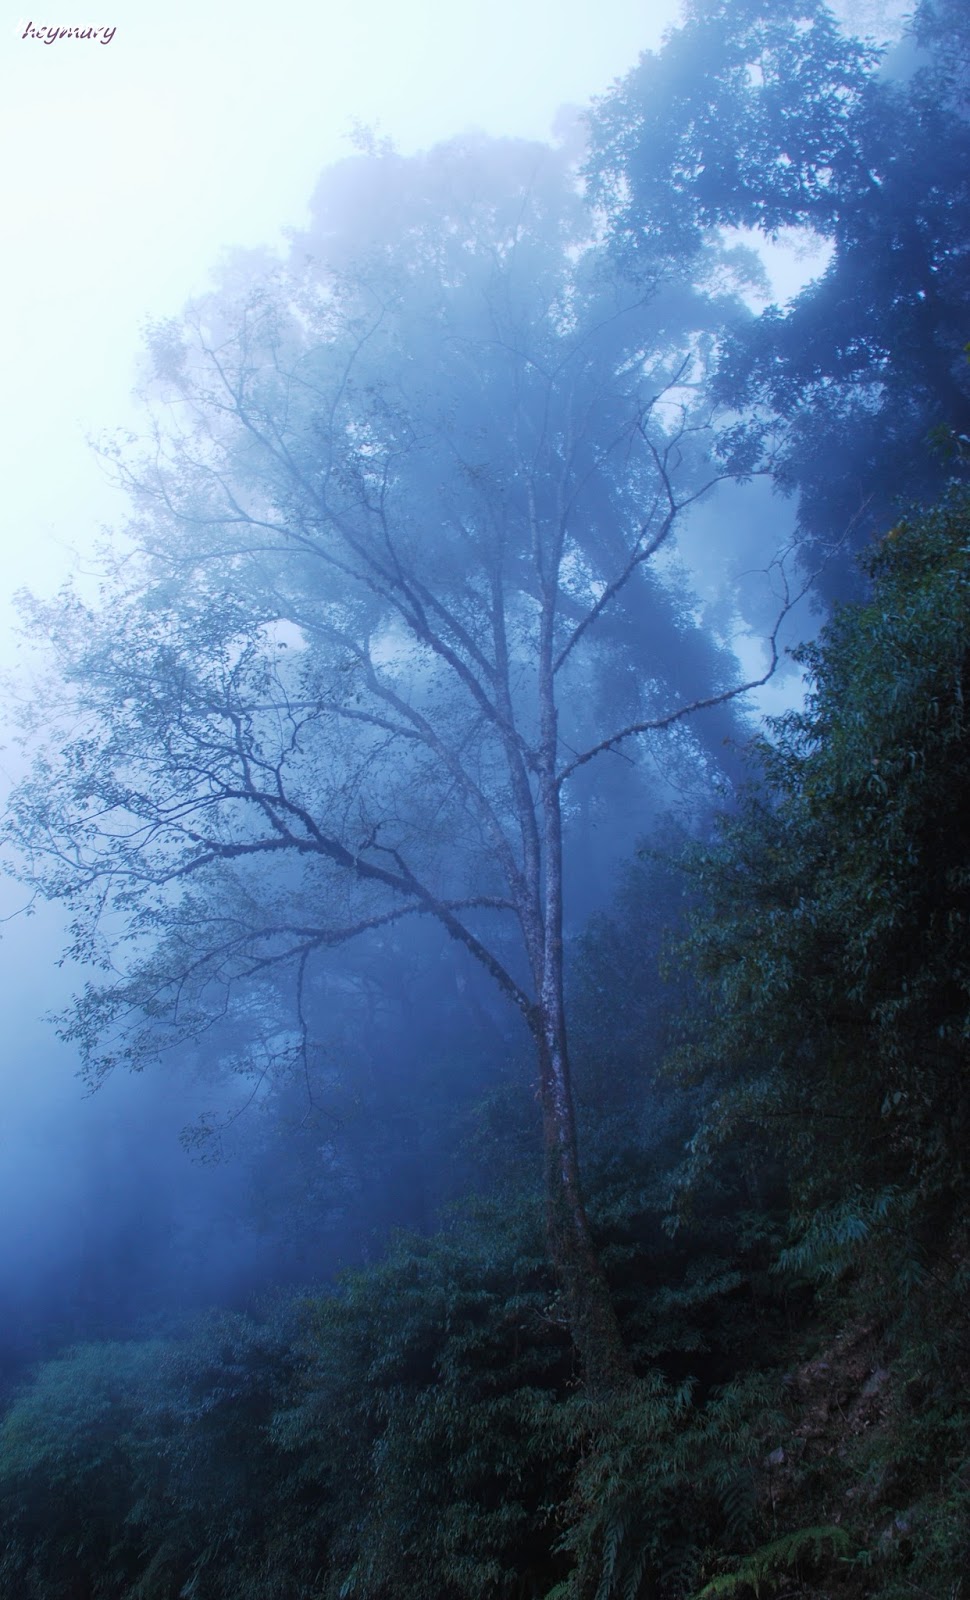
x=128, y=167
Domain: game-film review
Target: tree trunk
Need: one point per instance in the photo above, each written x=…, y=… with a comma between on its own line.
x=588, y=1303
x=589, y=1306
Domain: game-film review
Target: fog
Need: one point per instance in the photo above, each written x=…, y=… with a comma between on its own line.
x=140, y=162
x=184, y=159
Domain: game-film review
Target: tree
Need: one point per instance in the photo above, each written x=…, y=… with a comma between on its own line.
x=832, y=934
x=386, y=598
x=769, y=119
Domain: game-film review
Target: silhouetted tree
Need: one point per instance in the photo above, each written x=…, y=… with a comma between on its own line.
x=373, y=615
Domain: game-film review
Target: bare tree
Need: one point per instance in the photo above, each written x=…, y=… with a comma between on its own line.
x=388, y=589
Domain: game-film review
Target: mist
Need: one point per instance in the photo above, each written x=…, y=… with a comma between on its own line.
x=114, y=1219
x=111, y=1220
x=483, y=579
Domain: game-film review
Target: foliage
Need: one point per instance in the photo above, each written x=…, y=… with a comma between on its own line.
x=140, y=1470
x=768, y=119
x=418, y=1433
x=760, y=1571
x=830, y=942
x=664, y=1477
x=69, y=1445
x=287, y=669
x=834, y=928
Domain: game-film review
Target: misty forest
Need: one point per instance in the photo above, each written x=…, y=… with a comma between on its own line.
x=501, y=792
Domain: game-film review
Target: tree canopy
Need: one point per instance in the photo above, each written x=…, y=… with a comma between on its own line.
x=771, y=120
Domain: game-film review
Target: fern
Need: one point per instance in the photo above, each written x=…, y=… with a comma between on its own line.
x=830, y=1239
x=766, y=1566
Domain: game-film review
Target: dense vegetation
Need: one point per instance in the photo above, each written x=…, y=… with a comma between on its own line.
x=782, y=1214
x=768, y=1026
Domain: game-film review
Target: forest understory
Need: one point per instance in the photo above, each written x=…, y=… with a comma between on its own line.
x=780, y=1203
